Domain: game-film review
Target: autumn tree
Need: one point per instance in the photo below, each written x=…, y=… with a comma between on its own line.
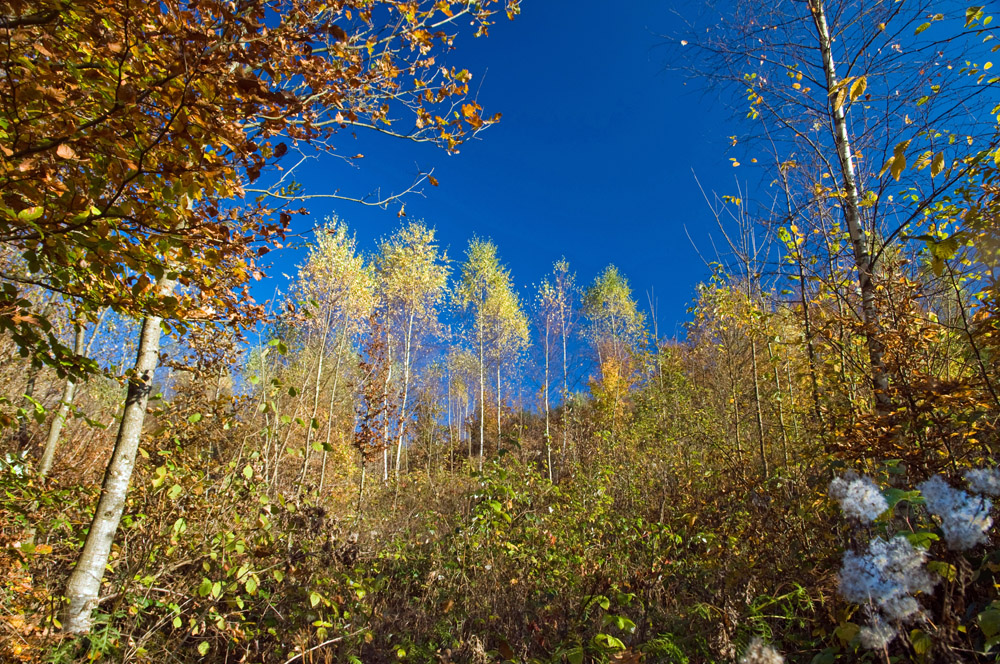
x=564, y=293
x=546, y=310
x=615, y=324
x=411, y=277
x=481, y=277
x=128, y=130
x=855, y=91
x=615, y=328
x=510, y=334
x=335, y=290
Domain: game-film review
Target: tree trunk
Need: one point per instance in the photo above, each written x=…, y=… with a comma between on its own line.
x=315, y=409
x=84, y=583
x=807, y=331
x=781, y=408
x=565, y=390
x=498, y=402
x=27, y=399
x=548, y=436
x=406, y=390
x=852, y=214
x=451, y=428
x=736, y=408
x=55, y=427
x=756, y=398
x=333, y=400
x=482, y=394
x=385, y=411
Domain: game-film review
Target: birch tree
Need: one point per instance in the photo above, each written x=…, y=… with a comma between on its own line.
x=860, y=90
x=564, y=291
x=509, y=334
x=481, y=277
x=615, y=328
x=411, y=277
x=186, y=106
x=336, y=287
x=547, y=313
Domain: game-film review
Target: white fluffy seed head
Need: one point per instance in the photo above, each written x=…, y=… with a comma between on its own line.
x=859, y=497
x=984, y=481
x=965, y=519
x=877, y=635
x=887, y=575
x=759, y=652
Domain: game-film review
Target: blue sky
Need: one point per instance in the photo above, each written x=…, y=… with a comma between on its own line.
x=593, y=158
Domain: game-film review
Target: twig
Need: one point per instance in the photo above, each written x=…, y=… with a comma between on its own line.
x=325, y=643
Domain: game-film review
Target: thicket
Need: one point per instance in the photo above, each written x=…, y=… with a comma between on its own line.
x=407, y=459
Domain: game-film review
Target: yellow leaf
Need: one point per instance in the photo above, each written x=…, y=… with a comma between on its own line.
x=897, y=162
x=858, y=87
x=938, y=164
x=839, y=100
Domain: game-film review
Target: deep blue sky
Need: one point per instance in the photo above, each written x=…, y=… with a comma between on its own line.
x=593, y=158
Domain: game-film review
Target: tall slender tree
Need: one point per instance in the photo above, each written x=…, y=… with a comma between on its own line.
x=168, y=113
x=411, y=278
x=481, y=277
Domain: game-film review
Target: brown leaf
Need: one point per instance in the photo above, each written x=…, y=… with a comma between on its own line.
x=337, y=32
x=65, y=151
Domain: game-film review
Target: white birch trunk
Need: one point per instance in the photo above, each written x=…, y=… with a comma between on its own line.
x=84, y=584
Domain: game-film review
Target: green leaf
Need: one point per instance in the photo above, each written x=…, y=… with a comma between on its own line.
x=846, y=632
x=251, y=585
x=248, y=471
x=315, y=598
x=196, y=417
x=922, y=538
x=971, y=14
x=895, y=496
x=203, y=648
x=945, y=570
x=921, y=641
x=30, y=214
x=159, y=476
x=989, y=621
x=174, y=492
